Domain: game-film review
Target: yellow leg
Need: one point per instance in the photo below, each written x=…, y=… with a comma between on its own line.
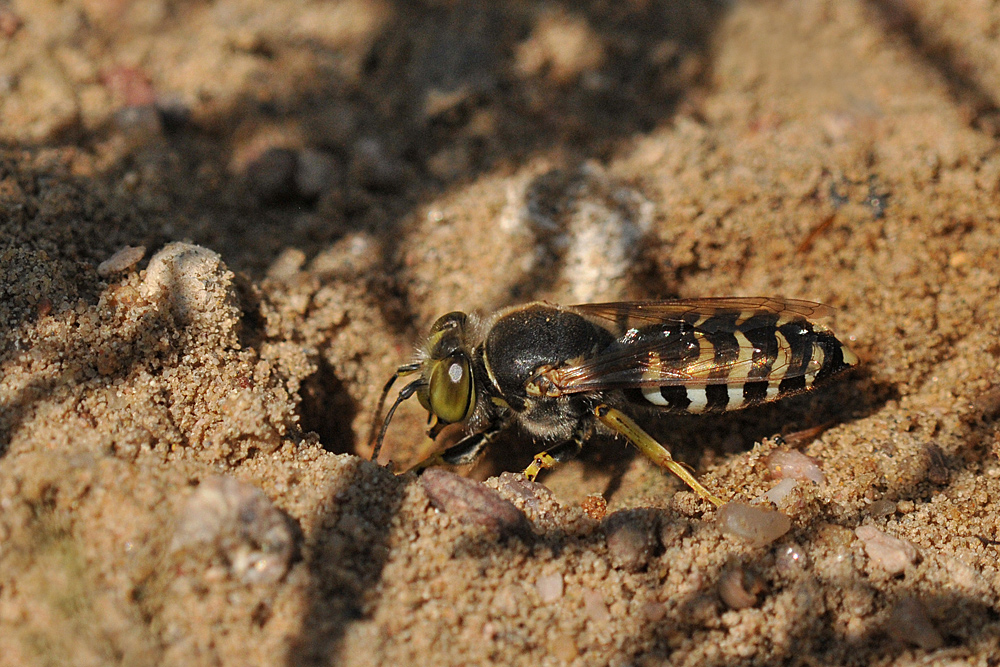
x=561, y=452
x=541, y=461
x=619, y=422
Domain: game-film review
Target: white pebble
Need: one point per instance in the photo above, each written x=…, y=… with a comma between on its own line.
x=791, y=559
x=236, y=522
x=792, y=464
x=122, y=260
x=779, y=491
x=194, y=283
x=752, y=524
x=885, y=551
x=549, y=587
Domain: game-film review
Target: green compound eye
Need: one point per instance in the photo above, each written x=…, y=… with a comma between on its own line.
x=450, y=390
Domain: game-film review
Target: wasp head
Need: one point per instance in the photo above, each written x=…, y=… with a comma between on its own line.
x=446, y=386
x=448, y=389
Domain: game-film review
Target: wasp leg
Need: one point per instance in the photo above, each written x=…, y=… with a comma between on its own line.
x=621, y=423
x=464, y=451
x=562, y=452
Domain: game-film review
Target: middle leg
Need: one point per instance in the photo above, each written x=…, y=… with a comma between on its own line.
x=562, y=452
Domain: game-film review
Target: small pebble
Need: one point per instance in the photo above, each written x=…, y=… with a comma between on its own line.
x=287, y=265
x=272, y=175
x=793, y=464
x=790, y=559
x=632, y=538
x=131, y=86
x=881, y=508
x=779, y=491
x=937, y=465
x=195, y=284
x=596, y=607
x=122, y=260
x=532, y=494
x=739, y=587
x=354, y=255
x=654, y=612
x=141, y=123
x=595, y=506
x=886, y=552
x=910, y=623
x=473, y=503
x=549, y=587
x=10, y=21
x=316, y=172
x=242, y=526
x=588, y=223
x=374, y=168
x=755, y=525
x=563, y=648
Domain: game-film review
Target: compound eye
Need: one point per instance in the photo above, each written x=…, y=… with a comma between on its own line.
x=450, y=390
x=453, y=320
x=424, y=396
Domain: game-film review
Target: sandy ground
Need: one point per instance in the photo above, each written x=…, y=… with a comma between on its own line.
x=313, y=183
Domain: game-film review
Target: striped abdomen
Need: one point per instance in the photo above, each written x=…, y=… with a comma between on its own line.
x=733, y=359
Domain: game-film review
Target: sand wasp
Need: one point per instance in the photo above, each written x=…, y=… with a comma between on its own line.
x=561, y=372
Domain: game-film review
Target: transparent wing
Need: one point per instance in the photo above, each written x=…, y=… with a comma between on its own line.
x=630, y=313
x=663, y=343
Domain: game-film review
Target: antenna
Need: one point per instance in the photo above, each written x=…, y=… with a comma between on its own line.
x=404, y=394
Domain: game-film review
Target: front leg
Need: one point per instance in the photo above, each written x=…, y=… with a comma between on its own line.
x=464, y=451
x=562, y=452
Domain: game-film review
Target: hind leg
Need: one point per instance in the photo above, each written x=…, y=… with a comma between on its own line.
x=621, y=423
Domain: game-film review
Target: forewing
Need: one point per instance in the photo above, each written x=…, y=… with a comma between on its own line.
x=684, y=356
x=632, y=365
x=636, y=313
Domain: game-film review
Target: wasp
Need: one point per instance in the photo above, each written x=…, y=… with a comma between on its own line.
x=561, y=373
